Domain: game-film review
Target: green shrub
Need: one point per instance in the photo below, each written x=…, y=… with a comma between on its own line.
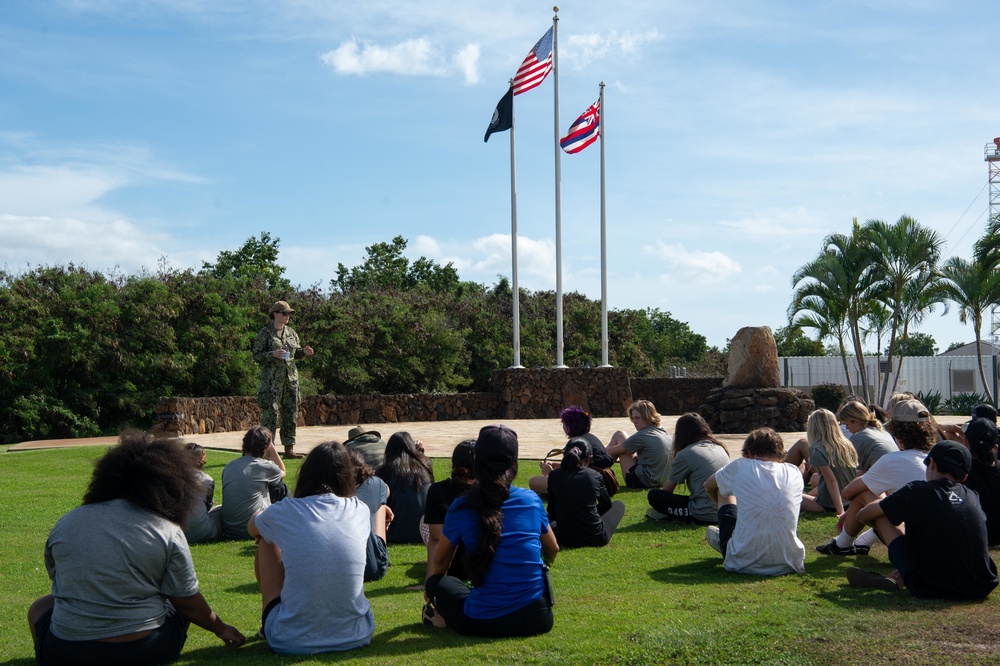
x=931, y=400
x=962, y=403
x=828, y=396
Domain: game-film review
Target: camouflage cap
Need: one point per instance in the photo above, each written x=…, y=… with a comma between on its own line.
x=280, y=306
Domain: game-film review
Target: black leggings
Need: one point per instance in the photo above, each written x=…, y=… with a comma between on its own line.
x=448, y=595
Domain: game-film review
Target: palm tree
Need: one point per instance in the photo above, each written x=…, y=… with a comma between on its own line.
x=973, y=286
x=831, y=296
x=902, y=251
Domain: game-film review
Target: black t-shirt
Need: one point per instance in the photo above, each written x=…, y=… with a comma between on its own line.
x=600, y=458
x=439, y=497
x=986, y=481
x=947, y=556
x=577, y=499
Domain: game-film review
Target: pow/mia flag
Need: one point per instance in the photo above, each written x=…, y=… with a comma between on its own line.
x=503, y=116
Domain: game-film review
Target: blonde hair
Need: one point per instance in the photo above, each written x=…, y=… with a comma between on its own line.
x=646, y=411
x=822, y=428
x=857, y=411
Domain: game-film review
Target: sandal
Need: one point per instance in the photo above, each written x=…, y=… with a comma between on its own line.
x=432, y=618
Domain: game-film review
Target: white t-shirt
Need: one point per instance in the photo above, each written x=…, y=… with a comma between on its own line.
x=768, y=495
x=323, y=540
x=894, y=470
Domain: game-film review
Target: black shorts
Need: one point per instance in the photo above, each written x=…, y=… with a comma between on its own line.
x=267, y=611
x=162, y=646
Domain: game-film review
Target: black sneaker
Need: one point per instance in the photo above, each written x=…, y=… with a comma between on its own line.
x=831, y=548
x=868, y=579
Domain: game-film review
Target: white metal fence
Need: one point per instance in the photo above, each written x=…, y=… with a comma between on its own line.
x=949, y=375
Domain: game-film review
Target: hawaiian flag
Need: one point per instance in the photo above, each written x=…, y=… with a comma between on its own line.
x=536, y=66
x=584, y=131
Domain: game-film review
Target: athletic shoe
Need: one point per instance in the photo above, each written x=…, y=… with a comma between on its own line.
x=712, y=536
x=831, y=548
x=653, y=514
x=432, y=618
x=868, y=579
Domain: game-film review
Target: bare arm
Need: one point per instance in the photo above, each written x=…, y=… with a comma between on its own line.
x=833, y=488
x=712, y=488
x=196, y=610
x=271, y=454
x=550, y=548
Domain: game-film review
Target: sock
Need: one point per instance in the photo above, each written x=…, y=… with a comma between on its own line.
x=867, y=538
x=845, y=540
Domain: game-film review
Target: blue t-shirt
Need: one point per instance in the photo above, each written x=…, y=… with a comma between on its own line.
x=514, y=578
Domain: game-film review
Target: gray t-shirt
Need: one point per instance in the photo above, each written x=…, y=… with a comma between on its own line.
x=871, y=444
x=843, y=475
x=692, y=466
x=245, y=485
x=112, y=565
x=653, y=448
x=202, y=523
x=323, y=606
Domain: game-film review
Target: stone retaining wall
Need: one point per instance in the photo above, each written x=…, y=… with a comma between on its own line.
x=517, y=394
x=538, y=393
x=675, y=395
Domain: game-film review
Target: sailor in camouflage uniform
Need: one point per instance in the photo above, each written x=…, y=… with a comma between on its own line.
x=276, y=348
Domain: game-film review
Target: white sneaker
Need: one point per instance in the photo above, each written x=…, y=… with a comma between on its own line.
x=712, y=536
x=653, y=514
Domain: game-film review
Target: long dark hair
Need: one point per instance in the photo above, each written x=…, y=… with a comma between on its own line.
x=404, y=461
x=327, y=469
x=690, y=429
x=156, y=474
x=576, y=452
x=495, y=470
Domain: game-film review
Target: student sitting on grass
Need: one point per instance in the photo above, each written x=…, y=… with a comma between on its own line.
x=982, y=437
x=442, y=495
x=124, y=589
x=580, y=510
x=310, y=561
x=833, y=459
x=507, y=535
x=763, y=541
x=575, y=423
x=697, y=456
x=252, y=482
x=374, y=493
x=936, y=533
x=204, y=521
x=645, y=455
x=912, y=428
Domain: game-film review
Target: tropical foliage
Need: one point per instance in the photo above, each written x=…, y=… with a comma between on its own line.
x=84, y=353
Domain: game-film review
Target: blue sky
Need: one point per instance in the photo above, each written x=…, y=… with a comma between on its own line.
x=739, y=134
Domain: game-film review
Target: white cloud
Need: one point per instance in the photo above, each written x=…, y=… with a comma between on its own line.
x=413, y=57
x=581, y=50
x=694, y=266
x=99, y=244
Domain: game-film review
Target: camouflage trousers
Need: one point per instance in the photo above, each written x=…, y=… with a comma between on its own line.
x=280, y=398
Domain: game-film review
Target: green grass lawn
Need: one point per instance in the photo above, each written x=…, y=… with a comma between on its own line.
x=656, y=594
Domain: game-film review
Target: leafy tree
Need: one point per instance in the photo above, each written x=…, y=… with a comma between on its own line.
x=791, y=341
x=385, y=267
x=972, y=286
x=916, y=344
x=257, y=259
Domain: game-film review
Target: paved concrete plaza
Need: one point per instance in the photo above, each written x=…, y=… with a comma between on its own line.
x=536, y=436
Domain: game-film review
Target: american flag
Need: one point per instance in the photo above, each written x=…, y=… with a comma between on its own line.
x=536, y=66
x=584, y=131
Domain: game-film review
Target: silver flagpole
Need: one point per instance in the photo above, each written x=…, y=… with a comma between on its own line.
x=513, y=244
x=559, y=299
x=604, y=244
